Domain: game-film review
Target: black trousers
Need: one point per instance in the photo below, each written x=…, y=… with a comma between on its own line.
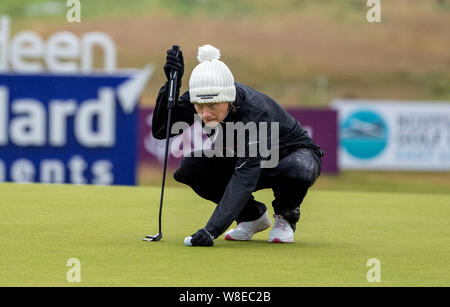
x=290, y=180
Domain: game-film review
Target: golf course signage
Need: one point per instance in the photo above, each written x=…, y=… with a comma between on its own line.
x=61, y=121
x=394, y=135
x=321, y=125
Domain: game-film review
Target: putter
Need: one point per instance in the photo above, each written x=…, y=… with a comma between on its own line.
x=170, y=104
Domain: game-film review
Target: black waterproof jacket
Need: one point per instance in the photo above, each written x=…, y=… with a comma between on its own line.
x=251, y=106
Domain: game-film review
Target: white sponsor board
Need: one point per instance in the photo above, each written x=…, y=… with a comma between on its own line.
x=393, y=135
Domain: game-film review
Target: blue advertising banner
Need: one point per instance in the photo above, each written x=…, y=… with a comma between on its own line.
x=79, y=129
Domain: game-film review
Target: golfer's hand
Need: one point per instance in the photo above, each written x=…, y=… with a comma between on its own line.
x=202, y=238
x=174, y=62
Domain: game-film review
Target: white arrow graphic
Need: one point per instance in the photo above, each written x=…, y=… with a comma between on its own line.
x=130, y=91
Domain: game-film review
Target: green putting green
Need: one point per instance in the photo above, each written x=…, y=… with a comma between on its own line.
x=43, y=226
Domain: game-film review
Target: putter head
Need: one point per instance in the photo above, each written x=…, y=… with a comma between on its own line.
x=154, y=238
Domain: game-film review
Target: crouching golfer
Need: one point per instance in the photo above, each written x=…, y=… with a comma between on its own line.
x=227, y=180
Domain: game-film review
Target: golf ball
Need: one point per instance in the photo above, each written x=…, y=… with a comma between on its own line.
x=187, y=241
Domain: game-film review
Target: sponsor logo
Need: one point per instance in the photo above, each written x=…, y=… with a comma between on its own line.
x=207, y=96
x=61, y=121
x=364, y=134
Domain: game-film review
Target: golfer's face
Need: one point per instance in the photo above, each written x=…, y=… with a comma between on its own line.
x=212, y=113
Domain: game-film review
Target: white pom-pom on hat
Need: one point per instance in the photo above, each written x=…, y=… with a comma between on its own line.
x=208, y=53
x=211, y=81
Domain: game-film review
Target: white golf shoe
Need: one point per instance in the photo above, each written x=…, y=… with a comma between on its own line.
x=282, y=231
x=246, y=230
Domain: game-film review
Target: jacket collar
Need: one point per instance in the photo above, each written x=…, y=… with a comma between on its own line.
x=231, y=115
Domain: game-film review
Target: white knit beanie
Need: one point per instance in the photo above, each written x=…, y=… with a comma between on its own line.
x=211, y=81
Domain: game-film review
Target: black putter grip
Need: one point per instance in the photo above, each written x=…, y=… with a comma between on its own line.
x=173, y=83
